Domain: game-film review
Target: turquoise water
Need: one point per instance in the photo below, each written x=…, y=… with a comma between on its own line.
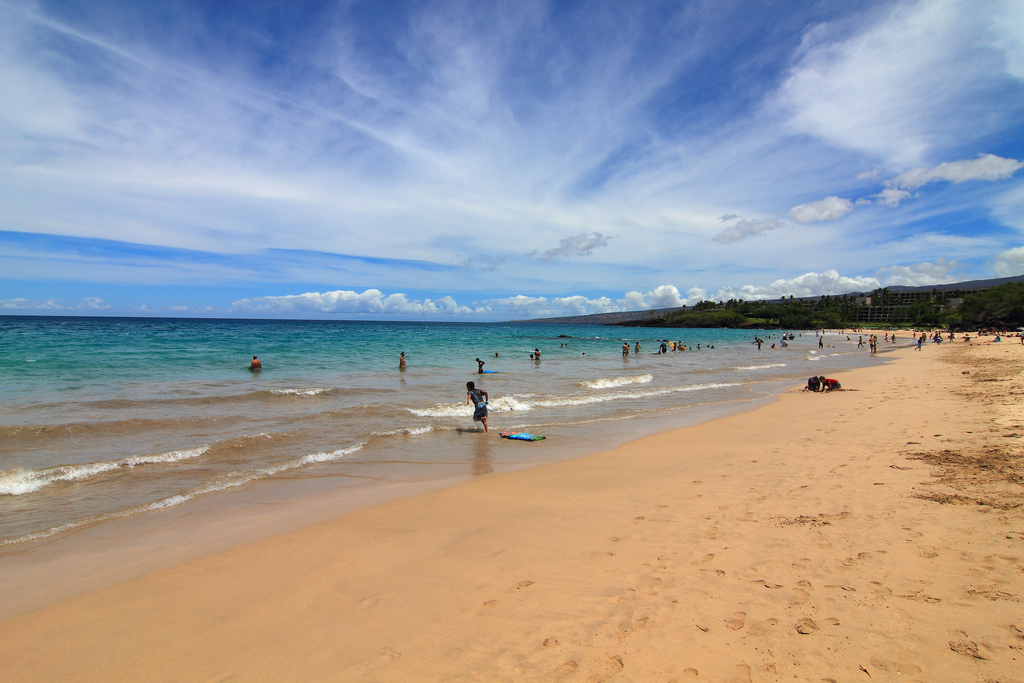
x=103, y=418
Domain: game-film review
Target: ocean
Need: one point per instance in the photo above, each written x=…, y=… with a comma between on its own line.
x=110, y=418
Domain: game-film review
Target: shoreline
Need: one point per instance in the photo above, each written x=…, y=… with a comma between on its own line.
x=56, y=568
x=797, y=544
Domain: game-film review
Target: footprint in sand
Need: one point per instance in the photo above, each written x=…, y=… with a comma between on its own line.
x=690, y=673
x=566, y=669
x=761, y=627
x=628, y=596
x=524, y=584
x=737, y=622
x=806, y=626
x=742, y=674
x=652, y=586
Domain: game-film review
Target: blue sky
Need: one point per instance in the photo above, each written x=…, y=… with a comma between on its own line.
x=489, y=161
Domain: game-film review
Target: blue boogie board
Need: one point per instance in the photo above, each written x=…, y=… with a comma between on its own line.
x=523, y=436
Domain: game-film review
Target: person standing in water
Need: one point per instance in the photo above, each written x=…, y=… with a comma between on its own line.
x=625, y=349
x=255, y=364
x=477, y=398
x=479, y=366
x=401, y=361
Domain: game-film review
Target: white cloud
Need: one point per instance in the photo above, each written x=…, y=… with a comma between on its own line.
x=808, y=284
x=743, y=229
x=911, y=80
x=521, y=306
x=23, y=304
x=581, y=305
x=827, y=209
x=1008, y=207
x=918, y=275
x=696, y=295
x=1009, y=262
x=576, y=245
x=984, y=167
x=890, y=196
x=369, y=302
x=662, y=296
x=482, y=263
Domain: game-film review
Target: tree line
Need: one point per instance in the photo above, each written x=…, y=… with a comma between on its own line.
x=999, y=307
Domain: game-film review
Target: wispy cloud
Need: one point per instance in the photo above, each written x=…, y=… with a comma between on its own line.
x=742, y=229
x=985, y=167
x=827, y=209
x=576, y=245
x=414, y=147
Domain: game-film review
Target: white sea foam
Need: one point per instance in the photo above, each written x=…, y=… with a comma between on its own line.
x=502, y=404
x=612, y=382
x=635, y=394
x=761, y=367
x=508, y=403
x=328, y=457
x=310, y=391
x=231, y=481
x=19, y=480
x=406, y=431
x=444, y=410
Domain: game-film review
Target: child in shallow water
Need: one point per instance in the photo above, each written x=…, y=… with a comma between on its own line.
x=478, y=398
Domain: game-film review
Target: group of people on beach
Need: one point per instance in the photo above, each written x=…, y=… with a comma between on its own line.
x=821, y=383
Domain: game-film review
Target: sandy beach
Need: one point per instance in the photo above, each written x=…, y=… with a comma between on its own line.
x=875, y=533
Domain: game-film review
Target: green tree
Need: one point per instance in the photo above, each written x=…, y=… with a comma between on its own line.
x=1001, y=306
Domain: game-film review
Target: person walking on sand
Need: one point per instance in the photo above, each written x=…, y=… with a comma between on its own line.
x=401, y=361
x=255, y=364
x=477, y=398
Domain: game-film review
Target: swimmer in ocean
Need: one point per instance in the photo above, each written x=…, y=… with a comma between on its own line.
x=255, y=364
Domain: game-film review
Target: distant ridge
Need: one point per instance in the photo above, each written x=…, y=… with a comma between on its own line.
x=631, y=316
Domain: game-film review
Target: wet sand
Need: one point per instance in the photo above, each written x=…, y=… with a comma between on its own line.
x=871, y=534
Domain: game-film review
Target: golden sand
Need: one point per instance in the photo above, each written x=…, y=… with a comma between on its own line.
x=872, y=534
